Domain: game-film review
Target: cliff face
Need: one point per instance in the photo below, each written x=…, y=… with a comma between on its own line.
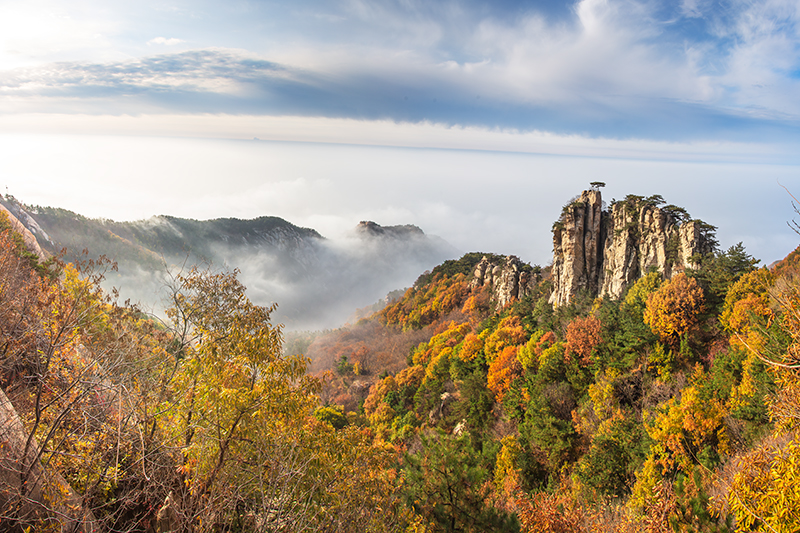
x=577, y=253
x=603, y=252
x=30, y=239
x=509, y=279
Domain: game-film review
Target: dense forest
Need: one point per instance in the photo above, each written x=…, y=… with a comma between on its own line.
x=673, y=408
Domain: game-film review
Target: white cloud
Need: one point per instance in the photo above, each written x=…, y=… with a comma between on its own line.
x=608, y=62
x=334, y=131
x=487, y=201
x=164, y=41
x=762, y=65
x=37, y=31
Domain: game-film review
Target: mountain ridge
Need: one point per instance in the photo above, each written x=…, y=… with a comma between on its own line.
x=313, y=278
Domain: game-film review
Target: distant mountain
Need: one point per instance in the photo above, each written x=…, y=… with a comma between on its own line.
x=317, y=282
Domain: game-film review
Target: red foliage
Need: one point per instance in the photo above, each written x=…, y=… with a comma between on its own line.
x=583, y=335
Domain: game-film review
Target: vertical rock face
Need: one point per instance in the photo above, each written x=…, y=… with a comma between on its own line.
x=603, y=253
x=577, y=253
x=509, y=279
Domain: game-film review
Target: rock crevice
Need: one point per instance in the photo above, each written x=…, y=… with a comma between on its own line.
x=602, y=252
x=509, y=278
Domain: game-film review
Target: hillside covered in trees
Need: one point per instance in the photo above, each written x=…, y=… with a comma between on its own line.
x=470, y=403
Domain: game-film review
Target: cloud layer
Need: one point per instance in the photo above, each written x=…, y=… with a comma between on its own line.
x=603, y=68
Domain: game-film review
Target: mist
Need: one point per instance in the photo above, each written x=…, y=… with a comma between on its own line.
x=316, y=283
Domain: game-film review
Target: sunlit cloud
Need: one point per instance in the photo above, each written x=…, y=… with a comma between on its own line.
x=606, y=68
x=39, y=31
x=164, y=41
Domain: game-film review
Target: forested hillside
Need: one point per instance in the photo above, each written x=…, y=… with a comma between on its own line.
x=461, y=406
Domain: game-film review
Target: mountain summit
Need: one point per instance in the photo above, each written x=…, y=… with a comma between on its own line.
x=603, y=251
x=316, y=281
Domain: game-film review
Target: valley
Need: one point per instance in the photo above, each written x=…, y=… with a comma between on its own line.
x=646, y=380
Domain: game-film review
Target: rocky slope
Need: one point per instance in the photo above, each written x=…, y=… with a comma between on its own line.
x=27, y=235
x=602, y=251
x=509, y=278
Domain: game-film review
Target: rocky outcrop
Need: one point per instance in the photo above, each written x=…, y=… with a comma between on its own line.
x=27, y=235
x=509, y=278
x=577, y=253
x=604, y=252
x=371, y=229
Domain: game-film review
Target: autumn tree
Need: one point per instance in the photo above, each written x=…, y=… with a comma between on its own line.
x=72, y=368
x=763, y=495
x=502, y=372
x=674, y=308
x=583, y=336
x=232, y=388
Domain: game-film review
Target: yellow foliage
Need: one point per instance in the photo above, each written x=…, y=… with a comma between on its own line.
x=647, y=479
x=673, y=309
x=602, y=394
x=637, y=295
x=470, y=347
x=662, y=360
x=527, y=354
x=446, y=340
x=410, y=377
x=509, y=332
x=551, y=359
x=765, y=494
x=744, y=393
x=420, y=307
x=748, y=302
x=685, y=426
x=506, y=475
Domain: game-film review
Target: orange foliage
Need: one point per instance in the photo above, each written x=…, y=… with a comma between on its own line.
x=376, y=395
x=422, y=306
x=553, y=513
x=748, y=300
x=673, y=309
x=470, y=347
x=547, y=340
x=583, y=335
x=789, y=265
x=502, y=372
x=478, y=304
x=378, y=412
x=509, y=332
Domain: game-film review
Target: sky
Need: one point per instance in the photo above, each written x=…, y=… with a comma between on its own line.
x=474, y=120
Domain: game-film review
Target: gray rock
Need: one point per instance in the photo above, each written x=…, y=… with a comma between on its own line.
x=604, y=252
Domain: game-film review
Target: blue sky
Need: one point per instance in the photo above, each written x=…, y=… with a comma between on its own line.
x=695, y=100
x=692, y=70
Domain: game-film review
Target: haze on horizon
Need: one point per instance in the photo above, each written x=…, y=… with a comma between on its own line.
x=474, y=120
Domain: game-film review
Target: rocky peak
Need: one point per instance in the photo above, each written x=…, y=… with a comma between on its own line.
x=371, y=229
x=508, y=277
x=577, y=247
x=603, y=252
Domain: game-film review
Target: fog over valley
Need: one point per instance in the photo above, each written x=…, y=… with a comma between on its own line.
x=316, y=282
